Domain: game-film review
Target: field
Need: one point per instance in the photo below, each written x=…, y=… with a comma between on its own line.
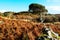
x=16, y=29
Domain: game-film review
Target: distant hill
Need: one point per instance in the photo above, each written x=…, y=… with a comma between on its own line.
x=32, y=16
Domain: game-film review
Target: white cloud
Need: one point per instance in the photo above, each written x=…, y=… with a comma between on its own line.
x=53, y=0
x=2, y=11
x=55, y=9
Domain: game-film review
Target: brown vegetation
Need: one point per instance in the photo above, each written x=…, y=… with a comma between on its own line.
x=16, y=29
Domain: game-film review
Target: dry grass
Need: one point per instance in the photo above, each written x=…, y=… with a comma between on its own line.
x=13, y=29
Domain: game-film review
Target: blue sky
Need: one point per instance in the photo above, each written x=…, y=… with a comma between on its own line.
x=53, y=6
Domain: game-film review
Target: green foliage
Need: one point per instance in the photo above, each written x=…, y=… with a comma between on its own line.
x=6, y=14
x=25, y=37
x=1, y=14
x=35, y=8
